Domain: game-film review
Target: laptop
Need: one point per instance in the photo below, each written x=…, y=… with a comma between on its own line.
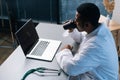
x=33, y=46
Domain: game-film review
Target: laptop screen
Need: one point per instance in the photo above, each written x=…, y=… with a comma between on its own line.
x=27, y=36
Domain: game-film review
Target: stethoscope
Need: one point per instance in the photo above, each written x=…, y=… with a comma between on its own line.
x=41, y=70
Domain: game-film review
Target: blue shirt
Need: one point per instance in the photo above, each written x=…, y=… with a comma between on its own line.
x=96, y=57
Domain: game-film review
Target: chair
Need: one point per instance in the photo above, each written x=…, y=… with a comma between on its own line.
x=12, y=25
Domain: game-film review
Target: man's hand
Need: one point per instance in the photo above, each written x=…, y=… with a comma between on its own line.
x=67, y=47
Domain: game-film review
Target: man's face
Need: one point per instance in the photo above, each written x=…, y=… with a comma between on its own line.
x=79, y=24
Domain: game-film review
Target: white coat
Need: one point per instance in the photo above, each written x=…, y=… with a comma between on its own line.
x=96, y=58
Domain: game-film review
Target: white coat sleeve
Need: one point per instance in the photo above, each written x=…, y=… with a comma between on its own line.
x=62, y=55
x=84, y=61
x=76, y=35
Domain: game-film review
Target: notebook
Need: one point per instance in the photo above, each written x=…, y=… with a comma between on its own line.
x=33, y=46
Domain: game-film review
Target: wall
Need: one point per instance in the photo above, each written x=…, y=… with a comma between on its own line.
x=68, y=8
x=19, y=11
x=116, y=18
x=47, y=10
x=39, y=10
x=116, y=12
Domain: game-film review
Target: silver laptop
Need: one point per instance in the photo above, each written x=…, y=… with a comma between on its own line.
x=33, y=46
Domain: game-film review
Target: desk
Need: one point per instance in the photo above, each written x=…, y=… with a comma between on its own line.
x=17, y=64
x=115, y=29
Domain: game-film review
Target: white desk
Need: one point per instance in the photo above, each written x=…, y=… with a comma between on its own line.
x=16, y=65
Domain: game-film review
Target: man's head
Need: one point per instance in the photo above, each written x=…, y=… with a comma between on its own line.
x=87, y=15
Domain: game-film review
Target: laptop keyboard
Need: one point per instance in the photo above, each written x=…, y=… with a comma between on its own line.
x=40, y=48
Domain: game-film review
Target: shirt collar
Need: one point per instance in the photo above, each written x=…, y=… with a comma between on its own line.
x=94, y=32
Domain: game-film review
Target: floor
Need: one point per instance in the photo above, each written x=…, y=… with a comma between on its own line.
x=6, y=47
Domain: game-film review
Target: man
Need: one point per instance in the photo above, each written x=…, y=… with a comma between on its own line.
x=96, y=58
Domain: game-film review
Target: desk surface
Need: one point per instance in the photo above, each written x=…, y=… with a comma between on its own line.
x=17, y=64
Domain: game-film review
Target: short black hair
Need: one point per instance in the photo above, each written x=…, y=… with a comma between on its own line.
x=89, y=12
